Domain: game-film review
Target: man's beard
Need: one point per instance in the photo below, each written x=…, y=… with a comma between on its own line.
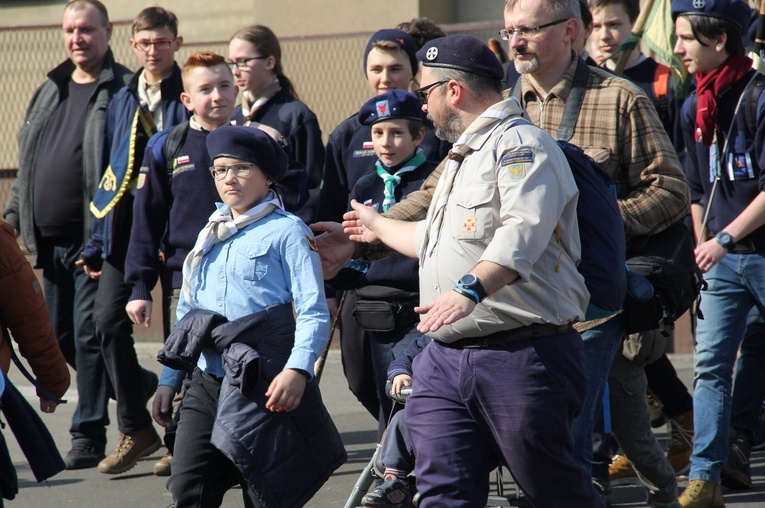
x=452, y=128
x=528, y=66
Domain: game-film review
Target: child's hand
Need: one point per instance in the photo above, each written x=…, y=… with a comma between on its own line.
x=286, y=391
x=399, y=382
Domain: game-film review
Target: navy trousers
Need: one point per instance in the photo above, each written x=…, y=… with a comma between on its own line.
x=474, y=409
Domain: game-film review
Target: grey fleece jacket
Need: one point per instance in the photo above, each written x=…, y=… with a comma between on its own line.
x=19, y=209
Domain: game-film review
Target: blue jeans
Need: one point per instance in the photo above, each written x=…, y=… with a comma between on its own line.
x=736, y=285
x=70, y=296
x=600, y=346
x=749, y=384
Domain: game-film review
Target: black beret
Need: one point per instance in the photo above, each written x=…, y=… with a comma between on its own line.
x=248, y=144
x=391, y=105
x=736, y=11
x=397, y=37
x=462, y=53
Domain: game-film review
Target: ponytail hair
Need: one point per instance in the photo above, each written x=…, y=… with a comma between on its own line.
x=265, y=42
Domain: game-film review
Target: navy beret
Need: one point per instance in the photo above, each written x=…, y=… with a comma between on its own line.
x=390, y=106
x=463, y=53
x=248, y=144
x=736, y=11
x=397, y=37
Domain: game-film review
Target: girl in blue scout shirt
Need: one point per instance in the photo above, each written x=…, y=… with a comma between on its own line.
x=724, y=168
x=251, y=265
x=269, y=99
x=395, y=119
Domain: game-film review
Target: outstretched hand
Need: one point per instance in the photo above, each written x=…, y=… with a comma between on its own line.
x=359, y=223
x=444, y=310
x=335, y=248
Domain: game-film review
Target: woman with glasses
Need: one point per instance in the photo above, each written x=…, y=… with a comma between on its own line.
x=269, y=100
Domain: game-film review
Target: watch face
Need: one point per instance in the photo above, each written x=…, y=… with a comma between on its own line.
x=468, y=279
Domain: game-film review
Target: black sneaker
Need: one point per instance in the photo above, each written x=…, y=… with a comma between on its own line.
x=83, y=456
x=394, y=492
x=736, y=473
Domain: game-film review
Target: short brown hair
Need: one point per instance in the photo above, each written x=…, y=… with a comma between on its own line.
x=631, y=7
x=152, y=18
x=204, y=59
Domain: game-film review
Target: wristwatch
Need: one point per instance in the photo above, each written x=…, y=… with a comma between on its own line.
x=725, y=240
x=470, y=287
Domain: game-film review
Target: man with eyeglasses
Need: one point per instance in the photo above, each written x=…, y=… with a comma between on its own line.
x=58, y=173
x=149, y=103
x=504, y=376
x=619, y=128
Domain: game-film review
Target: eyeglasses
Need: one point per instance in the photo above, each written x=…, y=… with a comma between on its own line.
x=423, y=94
x=220, y=172
x=526, y=32
x=160, y=44
x=243, y=63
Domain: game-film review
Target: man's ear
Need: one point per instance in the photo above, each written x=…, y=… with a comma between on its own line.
x=572, y=30
x=108, y=31
x=186, y=100
x=178, y=42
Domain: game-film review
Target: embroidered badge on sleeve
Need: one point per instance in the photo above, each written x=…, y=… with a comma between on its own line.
x=514, y=162
x=312, y=243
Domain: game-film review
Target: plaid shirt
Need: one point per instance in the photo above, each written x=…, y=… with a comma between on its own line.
x=620, y=129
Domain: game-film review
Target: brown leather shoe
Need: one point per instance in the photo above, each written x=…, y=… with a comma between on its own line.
x=621, y=472
x=701, y=494
x=130, y=448
x=162, y=466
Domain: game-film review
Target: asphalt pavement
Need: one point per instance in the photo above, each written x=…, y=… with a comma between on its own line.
x=140, y=488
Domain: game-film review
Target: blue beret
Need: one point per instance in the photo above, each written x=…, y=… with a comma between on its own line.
x=736, y=11
x=251, y=145
x=390, y=106
x=397, y=37
x=463, y=53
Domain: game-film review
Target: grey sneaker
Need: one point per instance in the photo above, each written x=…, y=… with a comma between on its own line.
x=394, y=492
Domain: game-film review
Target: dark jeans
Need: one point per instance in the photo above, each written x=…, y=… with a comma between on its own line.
x=396, y=450
x=115, y=332
x=357, y=358
x=70, y=296
x=749, y=384
x=384, y=347
x=201, y=473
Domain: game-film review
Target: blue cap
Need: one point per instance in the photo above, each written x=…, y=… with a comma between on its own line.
x=390, y=106
x=736, y=11
x=463, y=53
x=397, y=37
x=248, y=144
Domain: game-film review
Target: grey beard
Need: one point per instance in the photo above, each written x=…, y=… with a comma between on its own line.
x=529, y=67
x=452, y=128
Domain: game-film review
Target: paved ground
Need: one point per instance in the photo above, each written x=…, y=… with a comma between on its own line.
x=139, y=488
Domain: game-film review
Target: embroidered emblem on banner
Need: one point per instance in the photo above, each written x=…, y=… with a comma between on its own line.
x=312, y=243
x=468, y=225
x=109, y=180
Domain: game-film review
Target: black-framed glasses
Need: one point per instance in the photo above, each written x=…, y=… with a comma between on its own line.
x=160, y=44
x=526, y=32
x=241, y=169
x=244, y=63
x=423, y=94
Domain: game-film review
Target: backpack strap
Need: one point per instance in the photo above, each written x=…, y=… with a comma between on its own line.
x=661, y=91
x=574, y=102
x=751, y=103
x=172, y=146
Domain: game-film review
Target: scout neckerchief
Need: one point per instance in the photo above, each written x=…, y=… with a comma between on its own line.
x=391, y=181
x=709, y=86
x=494, y=114
x=221, y=227
x=150, y=98
x=251, y=105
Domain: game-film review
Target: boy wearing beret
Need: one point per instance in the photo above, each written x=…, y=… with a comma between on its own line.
x=252, y=257
x=396, y=122
x=724, y=168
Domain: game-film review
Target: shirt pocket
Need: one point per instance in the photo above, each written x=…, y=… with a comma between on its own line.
x=472, y=212
x=251, y=261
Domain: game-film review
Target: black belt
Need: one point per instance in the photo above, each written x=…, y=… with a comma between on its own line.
x=748, y=245
x=503, y=337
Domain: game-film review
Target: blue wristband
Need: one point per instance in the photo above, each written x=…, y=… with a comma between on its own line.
x=467, y=293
